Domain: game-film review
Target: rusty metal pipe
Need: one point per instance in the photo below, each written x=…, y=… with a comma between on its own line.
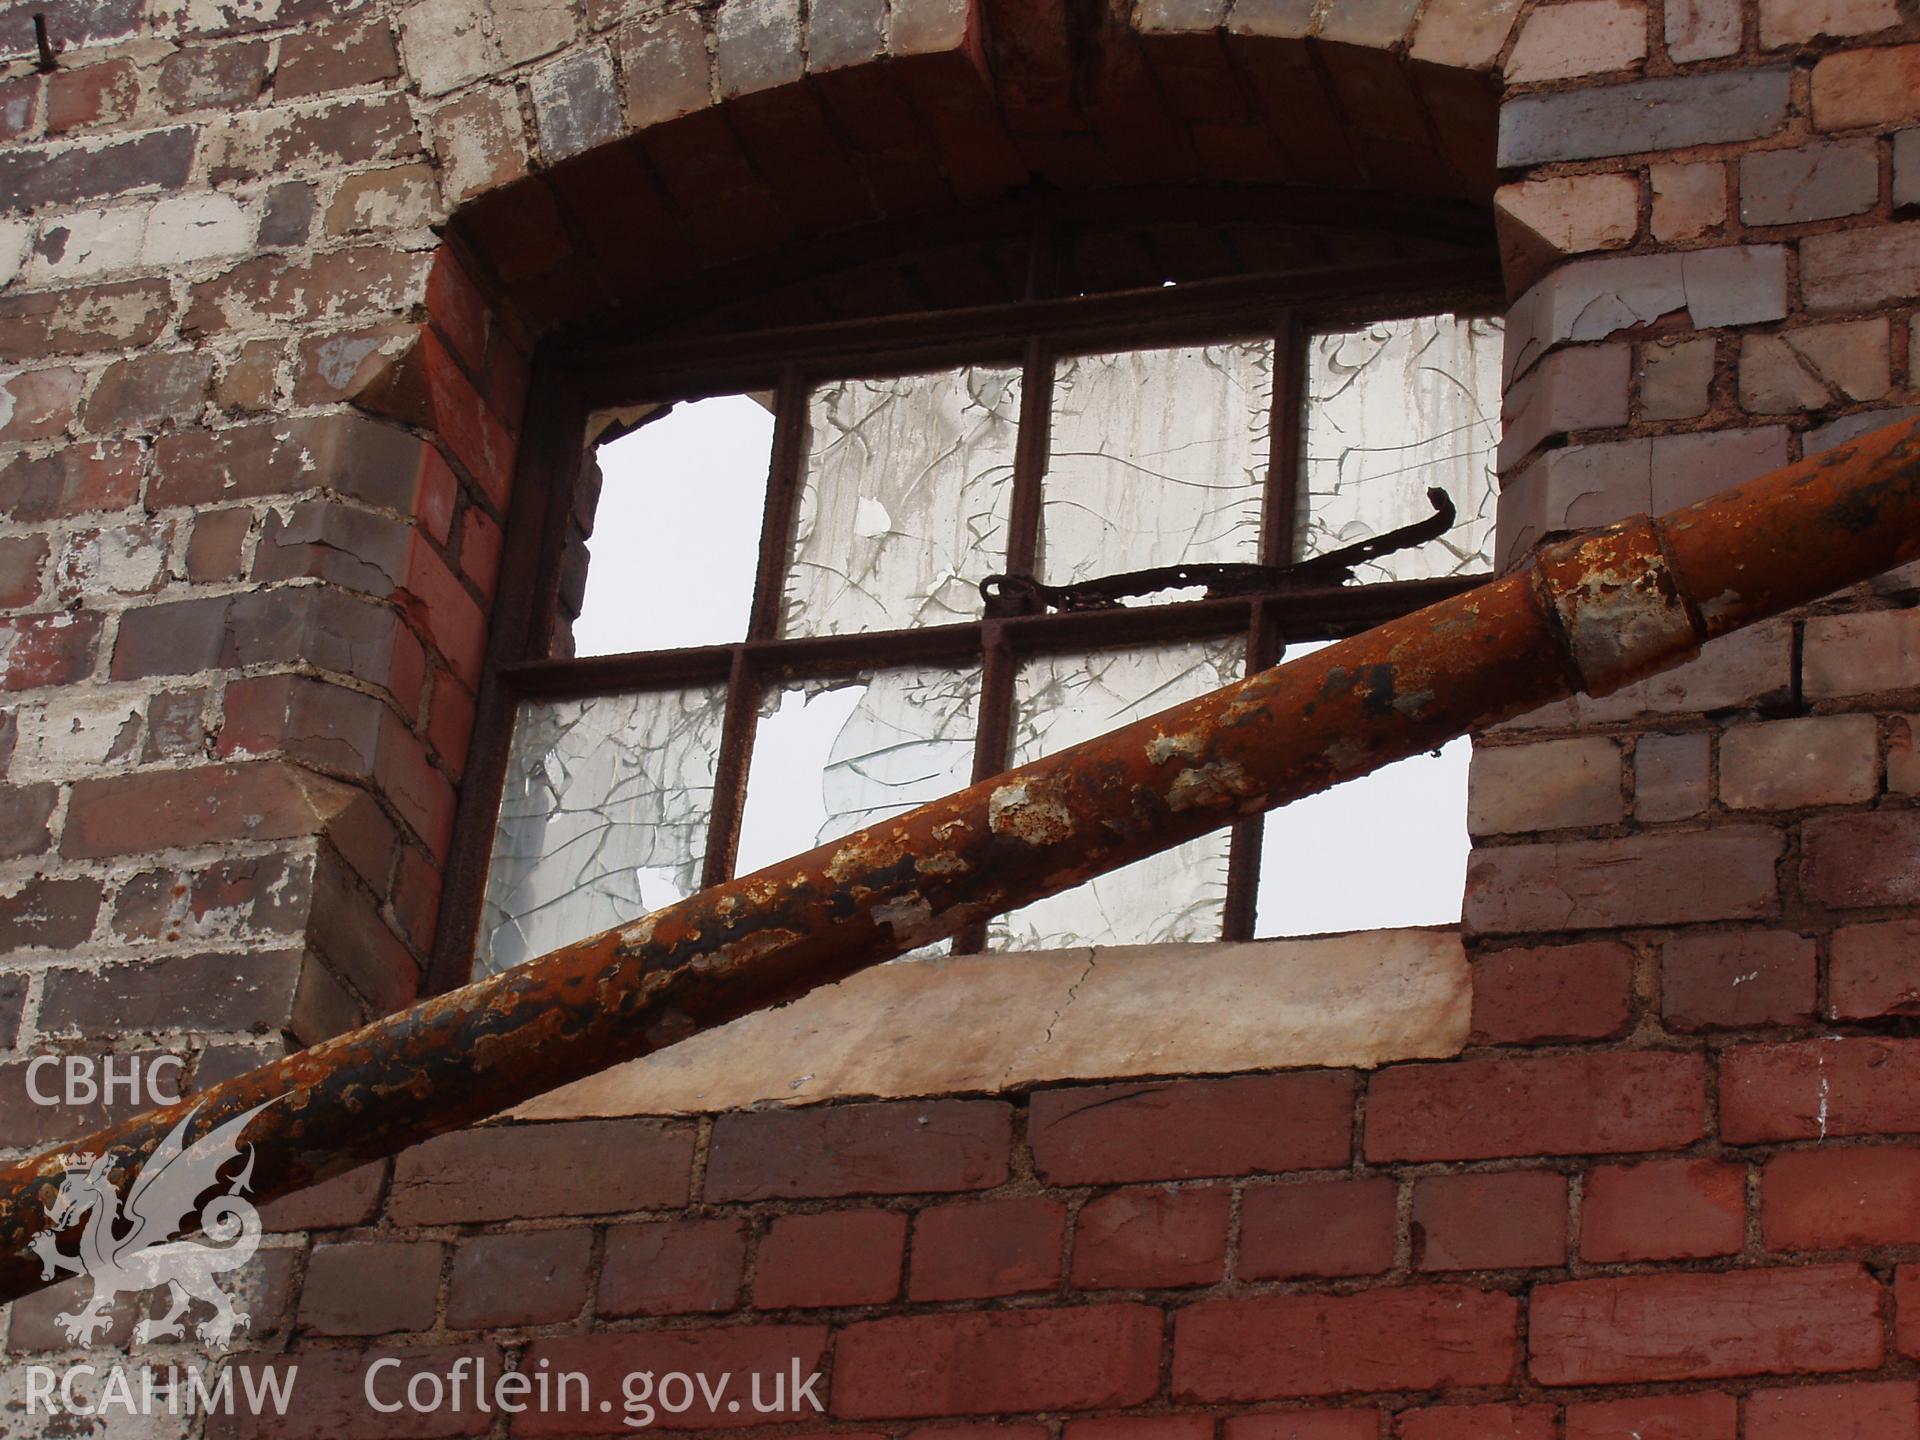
x=1594, y=613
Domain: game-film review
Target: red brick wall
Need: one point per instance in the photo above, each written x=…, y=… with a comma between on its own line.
x=1615, y=1241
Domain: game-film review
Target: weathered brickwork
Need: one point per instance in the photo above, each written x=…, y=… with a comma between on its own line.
x=272, y=281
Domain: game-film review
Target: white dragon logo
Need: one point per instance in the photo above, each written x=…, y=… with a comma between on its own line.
x=124, y=1247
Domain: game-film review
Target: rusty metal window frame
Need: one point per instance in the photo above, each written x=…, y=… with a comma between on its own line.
x=577, y=386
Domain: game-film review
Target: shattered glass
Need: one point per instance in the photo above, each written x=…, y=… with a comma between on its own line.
x=1392, y=409
x=603, y=818
x=832, y=756
x=904, y=503
x=1158, y=458
x=1060, y=700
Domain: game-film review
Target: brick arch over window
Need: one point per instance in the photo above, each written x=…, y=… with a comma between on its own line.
x=690, y=147
x=731, y=171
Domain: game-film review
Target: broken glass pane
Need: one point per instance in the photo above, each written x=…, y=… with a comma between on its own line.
x=1386, y=849
x=603, y=819
x=1060, y=700
x=903, y=506
x=1392, y=409
x=830, y=757
x=676, y=534
x=1158, y=458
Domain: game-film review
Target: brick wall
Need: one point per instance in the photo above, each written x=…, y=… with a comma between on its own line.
x=270, y=278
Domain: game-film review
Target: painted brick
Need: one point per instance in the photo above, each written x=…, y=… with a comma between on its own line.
x=512, y=1172
x=1689, y=201
x=1837, y=1198
x=1794, y=22
x=1324, y=1228
x=672, y=1267
x=1114, y=1133
x=1421, y=1337
x=1864, y=1410
x=1597, y=1103
x=1659, y=879
x=1581, y=37
x=1074, y=1358
x=671, y=51
x=1150, y=1238
x=1664, y=114
x=1489, y=1221
x=1656, y=1417
x=1791, y=764
x=1816, y=1089
x=1815, y=367
x=1581, y=388
x=1855, y=269
x=1814, y=182
x=973, y=1249
x=1549, y=785
x=1867, y=87
x=1676, y=379
x=1672, y=775
x=844, y=1257
x=1643, y=1328
x=1849, y=655
x=1701, y=29
x=574, y=103
x=1735, y=979
x=1663, y=1210
x=1875, y=971
x=884, y=1149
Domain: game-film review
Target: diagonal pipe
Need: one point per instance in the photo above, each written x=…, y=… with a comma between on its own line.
x=1593, y=613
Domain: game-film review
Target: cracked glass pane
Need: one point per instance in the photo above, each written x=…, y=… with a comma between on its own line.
x=1060, y=700
x=903, y=507
x=676, y=534
x=1158, y=458
x=1387, y=849
x=603, y=819
x=1392, y=409
x=831, y=756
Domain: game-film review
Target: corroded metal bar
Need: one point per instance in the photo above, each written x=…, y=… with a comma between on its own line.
x=1594, y=613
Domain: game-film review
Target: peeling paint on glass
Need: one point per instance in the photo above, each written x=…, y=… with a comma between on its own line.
x=1060, y=700
x=1158, y=457
x=1393, y=408
x=904, y=503
x=832, y=756
x=603, y=819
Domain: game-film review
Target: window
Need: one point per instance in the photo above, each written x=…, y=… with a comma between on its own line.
x=783, y=637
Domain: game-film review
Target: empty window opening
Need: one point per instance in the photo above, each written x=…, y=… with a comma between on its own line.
x=1388, y=849
x=676, y=535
